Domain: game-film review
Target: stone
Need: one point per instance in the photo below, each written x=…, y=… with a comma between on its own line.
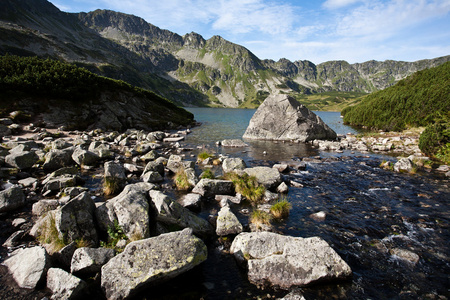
x=64, y=285
x=294, y=295
x=87, y=261
x=318, y=216
x=269, y=177
x=130, y=209
x=152, y=177
x=150, y=155
x=405, y=255
x=172, y=213
x=151, y=261
x=42, y=206
x=28, y=266
x=227, y=222
x=283, y=188
x=56, y=184
x=28, y=182
x=404, y=165
x=237, y=143
x=75, y=220
x=64, y=256
x=56, y=159
x=22, y=160
x=232, y=164
x=281, y=167
x=154, y=166
x=211, y=187
x=191, y=201
x=285, y=261
x=84, y=157
x=280, y=117
x=175, y=163
x=11, y=199
x=114, y=170
x=14, y=239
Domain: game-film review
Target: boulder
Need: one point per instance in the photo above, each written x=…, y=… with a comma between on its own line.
x=191, y=201
x=56, y=159
x=75, y=220
x=175, y=163
x=55, y=184
x=285, y=261
x=404, y=165
x=130, y=209
x=152, y=177
x=269, y=177
x=155, y=166
x=12, y=199
x=42, y=206
x=64, y=285
x=227, y=222
x=28, y=266
x=148, y=262
x=15, y=239
x=211, y=187
x=87, y=261
x=231, y=164
x=21, y=159
x=172, y=213
x=114, y=170
x=281, y=117
x=84, y=157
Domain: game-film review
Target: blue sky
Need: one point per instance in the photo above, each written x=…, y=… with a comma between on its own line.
x=319, y=31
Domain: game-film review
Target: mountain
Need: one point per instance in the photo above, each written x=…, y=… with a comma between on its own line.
x=188, y=70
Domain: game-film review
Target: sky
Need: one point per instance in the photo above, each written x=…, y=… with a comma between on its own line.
x=314, y=30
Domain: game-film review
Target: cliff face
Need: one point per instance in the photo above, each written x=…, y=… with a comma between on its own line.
x=186, y=69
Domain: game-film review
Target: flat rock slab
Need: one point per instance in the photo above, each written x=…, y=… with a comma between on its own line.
x=64, y=285
x=285, y=261
x=151, y=261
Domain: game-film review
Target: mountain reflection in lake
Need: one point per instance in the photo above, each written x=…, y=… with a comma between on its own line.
x=392, y=229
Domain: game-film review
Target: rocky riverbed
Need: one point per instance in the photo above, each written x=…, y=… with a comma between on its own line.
x=98, y=214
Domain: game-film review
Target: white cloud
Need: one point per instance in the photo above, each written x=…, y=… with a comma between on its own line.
x=333, y=4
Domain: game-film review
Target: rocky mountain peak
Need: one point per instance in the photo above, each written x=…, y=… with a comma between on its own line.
x=194, y=40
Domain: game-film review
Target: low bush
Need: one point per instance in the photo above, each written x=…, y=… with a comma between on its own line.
x=435, y=140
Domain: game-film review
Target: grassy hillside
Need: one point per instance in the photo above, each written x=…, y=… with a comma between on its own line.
x=329, y=101
x=39, y=79
x=414, y=101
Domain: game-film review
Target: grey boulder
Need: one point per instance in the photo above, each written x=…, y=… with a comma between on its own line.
x=285, y=261
x=64, y=285
x=231, y=164
x=269, y=177
x=28, y=266
x=211, y=187
x=171, y=213
x=90, y=260
x=281, y=117
x=148, y=262
x=227, y=222
x=12, y=199
x=21, y=159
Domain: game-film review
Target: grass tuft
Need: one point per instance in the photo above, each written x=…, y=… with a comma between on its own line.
x=181, y=180
x=247, y=186
x=280, y=209
x=112, y=185
x=260, y=217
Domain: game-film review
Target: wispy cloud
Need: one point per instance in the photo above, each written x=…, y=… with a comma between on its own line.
x=333, y=4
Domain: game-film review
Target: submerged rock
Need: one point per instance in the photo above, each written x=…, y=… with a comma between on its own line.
x=281, y=117
x=286, y=261
x=151, y=261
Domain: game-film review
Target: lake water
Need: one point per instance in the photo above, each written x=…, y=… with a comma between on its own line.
x=371, y=215
x=228, y=123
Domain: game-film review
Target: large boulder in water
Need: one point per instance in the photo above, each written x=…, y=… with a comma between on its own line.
x=282, y=118
x=286, y=261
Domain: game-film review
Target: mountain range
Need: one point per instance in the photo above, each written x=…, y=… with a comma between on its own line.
x=188, y=70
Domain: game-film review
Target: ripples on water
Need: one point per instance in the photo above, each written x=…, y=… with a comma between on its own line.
x=370, y=212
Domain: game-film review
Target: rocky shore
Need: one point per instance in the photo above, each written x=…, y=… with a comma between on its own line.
x=99, y=214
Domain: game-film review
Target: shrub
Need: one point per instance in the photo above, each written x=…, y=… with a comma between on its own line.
x=204, y=155
x=280, y=209
x=208, y=174
x=435, y=140
x=49, y=235
x=181, y=180
x=247, y=186
x=115, y=234
x=112, y=185
x=260, y=217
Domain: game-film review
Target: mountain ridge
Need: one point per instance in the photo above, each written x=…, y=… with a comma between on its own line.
x=188, y=69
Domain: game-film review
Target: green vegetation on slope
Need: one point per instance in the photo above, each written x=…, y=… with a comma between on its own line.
x=412, y=102
x=34, y=77
x=329, y=101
